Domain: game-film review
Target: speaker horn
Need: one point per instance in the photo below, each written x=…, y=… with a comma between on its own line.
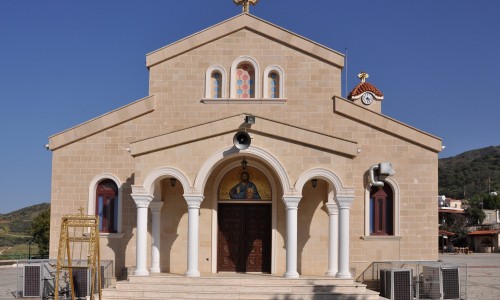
x=241, y=140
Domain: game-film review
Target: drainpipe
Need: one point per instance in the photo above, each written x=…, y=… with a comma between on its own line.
x=383, y=169
x=371, y=177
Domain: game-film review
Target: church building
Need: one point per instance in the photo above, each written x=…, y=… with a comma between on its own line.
x=245, y=158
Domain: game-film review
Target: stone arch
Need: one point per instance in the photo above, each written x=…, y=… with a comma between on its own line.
x=335, y=184
x=250, y=60
x=208, y=75
x=223, y=154
x=281, y=82
x=92, y=195
x=396, y=205
x=214, y=204
x=157, y=174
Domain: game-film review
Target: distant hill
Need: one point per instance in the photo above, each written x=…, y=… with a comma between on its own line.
x=15, y=226
x=470, y=173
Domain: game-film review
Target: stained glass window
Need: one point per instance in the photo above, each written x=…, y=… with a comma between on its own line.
x=245, y=81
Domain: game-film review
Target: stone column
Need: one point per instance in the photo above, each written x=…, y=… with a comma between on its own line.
x=142, y=202
x=292, y=204
x=344, y=212
x=193, y=202
x=333, y=239
x=156, y=229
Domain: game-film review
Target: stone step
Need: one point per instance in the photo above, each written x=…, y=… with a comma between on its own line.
x=109, y=294
x=242, y=288
x=241, y=279
x=237, y=286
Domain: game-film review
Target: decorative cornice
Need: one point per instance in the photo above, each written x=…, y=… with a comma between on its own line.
x=332, y=208
x=156, y=206
x=344, y=201
x=142, y=200
x=388, y=125
x=101, y=123
x=292, y=202
x=194, y=201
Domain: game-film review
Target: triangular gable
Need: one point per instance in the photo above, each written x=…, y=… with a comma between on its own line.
x=101, y=123
x=250, y=22
x=383, y=123
x=265, y=126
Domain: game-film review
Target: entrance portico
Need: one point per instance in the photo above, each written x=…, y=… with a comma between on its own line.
x=269, y=256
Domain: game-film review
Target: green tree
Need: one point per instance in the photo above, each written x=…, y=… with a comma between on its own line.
x=40, y=230
x=491, y=201
x=474, y=212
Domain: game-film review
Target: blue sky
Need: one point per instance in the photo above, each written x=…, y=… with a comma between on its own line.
x=65, y=62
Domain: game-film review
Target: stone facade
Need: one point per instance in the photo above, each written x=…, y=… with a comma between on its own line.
x=309, y=132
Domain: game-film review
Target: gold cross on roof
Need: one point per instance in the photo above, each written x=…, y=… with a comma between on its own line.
x=363, y=76
x=245, y=4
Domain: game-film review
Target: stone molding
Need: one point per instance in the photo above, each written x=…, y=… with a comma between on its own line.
x=218, y=157
x=332, y=208
x=194, y=201
x=142, y=200
x=291, y=202
x=255, y=65
x=156, y=206
x=208, y=77
x=344, y=201
x=162, y=172
x=325, y=174
x=281, y=85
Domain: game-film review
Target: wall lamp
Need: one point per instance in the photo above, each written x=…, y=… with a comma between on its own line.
x=314, y=182
x=173, y=181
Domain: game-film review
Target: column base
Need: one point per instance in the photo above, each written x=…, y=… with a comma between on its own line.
x=331, y=273
x=154, y=270
x=192, y=274
x=343, y=275
x=144, y=272
x=291, y=275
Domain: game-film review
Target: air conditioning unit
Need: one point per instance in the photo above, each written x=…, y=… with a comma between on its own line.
x=32, y=279
x=441, y=282
x=81, y=280
x=396, y=284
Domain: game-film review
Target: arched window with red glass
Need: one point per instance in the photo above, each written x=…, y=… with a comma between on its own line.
x=245, y=81
x=381, y=210
x=107, y=206
x=245, y=78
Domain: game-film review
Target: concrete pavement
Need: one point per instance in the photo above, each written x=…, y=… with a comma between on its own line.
x=483, y=275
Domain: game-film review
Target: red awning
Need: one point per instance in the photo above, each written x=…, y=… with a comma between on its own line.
x=484, y=232
x=444, y=232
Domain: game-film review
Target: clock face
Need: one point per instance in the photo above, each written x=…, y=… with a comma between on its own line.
x=367, y=98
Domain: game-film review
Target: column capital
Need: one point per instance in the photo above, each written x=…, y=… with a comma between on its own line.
x=156, y=206
x=194, y=201
x=345, y=201
x=292, y=202
x=142, y=200
x=332, y=208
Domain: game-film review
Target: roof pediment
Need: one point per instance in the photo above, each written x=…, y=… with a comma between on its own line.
x=118, y=116
x=383, y=123
x=250, y=22
x=267, y=127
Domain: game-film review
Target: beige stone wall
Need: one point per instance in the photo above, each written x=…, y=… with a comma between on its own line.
x=178, y=85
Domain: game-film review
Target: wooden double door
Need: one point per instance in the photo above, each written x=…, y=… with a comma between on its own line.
x=244, y=242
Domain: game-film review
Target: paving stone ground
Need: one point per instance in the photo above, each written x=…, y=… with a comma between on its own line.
x=483, y=276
